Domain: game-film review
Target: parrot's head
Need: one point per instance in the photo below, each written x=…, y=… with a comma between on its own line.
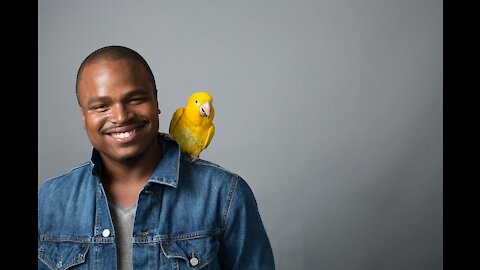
x=202, y=103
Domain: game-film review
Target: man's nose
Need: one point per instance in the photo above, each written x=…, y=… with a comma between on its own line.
x=120, y=114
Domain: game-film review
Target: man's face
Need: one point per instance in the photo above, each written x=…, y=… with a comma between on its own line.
x=119, y=109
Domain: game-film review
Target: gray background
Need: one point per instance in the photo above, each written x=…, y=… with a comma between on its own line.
x=330, y=110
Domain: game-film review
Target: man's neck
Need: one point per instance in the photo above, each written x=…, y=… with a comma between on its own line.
x=123, y=181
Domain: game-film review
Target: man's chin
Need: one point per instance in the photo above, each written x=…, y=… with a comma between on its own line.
x=129, y=159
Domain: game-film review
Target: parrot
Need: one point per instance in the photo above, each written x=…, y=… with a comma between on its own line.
x=192, y=127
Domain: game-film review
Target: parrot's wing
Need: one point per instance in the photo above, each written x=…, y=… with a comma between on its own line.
x=176, y=116
x=211, y=132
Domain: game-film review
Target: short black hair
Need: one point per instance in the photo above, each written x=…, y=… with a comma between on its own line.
x=114, y=52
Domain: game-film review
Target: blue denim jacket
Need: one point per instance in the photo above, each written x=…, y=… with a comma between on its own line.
x=190, y=215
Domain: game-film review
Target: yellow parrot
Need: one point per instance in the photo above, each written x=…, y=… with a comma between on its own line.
x=192, y=127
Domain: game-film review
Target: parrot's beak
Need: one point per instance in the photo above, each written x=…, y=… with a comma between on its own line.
x=205, y=109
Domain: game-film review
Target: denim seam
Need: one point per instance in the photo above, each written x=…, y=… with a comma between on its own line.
x=229, y=201
x=69, y=171
x=191, y=236
x=79, y=240
x=183, y=237
x=208, y=164
x=80, y=258
x=203, y=262
x=60, y=176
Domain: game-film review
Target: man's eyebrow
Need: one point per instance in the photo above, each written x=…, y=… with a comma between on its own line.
x=96, y=99
x=134, y=92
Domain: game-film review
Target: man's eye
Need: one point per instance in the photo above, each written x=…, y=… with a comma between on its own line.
x=100, y=107
x=137, y=100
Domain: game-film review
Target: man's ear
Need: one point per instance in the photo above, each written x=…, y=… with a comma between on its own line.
x=83, y=118
x=158, y=107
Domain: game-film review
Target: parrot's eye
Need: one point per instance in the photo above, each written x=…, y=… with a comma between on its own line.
x=196, y=101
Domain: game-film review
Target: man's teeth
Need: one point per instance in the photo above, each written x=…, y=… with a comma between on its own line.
x=123, y=135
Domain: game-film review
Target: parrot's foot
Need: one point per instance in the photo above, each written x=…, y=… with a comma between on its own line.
x=194, y=157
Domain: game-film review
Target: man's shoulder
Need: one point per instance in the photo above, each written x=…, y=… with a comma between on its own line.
x=222, y=178
x=65, y=181
x=202, y=165
x=210, y=175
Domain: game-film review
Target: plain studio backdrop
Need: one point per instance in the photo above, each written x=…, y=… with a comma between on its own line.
x=330, y=110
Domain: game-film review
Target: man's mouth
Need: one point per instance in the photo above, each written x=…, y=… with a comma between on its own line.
x=124, y=135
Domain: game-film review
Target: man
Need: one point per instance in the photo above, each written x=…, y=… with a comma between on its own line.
x=139, y=203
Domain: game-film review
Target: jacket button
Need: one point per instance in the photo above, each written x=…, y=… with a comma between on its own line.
x=106, y=233
x=193, y=261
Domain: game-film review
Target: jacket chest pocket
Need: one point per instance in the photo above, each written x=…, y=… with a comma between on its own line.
x=192, y=253
x=62, y=255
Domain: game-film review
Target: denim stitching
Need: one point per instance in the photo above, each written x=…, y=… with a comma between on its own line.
x=78, y=259
x=182, y=237
x=71, y=170
x=208, y=164
x=229, y=201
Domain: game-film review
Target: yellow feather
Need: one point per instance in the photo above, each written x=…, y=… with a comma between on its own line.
x=173, y=123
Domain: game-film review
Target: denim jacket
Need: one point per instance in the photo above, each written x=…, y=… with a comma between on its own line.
x=190, y=215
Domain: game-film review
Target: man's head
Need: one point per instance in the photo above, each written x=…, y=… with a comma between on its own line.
x=118, y=101
x=113, y=53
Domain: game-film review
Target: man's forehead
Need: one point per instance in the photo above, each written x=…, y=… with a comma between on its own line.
x=103, y=62
x=108, y=68
x=101, y=72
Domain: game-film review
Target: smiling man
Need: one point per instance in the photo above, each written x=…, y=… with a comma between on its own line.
x=139, y=202
x=118, y=102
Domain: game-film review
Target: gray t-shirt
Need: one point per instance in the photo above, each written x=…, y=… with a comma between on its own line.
x=123, y=219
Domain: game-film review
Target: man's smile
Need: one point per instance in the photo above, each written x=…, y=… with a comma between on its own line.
x=125, y=134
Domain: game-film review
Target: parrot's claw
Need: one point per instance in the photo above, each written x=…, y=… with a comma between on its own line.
x=194, y=157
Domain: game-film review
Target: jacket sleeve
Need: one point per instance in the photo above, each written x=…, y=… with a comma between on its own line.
x=245, y=242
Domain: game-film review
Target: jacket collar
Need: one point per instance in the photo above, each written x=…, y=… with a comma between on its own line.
x=167, y=170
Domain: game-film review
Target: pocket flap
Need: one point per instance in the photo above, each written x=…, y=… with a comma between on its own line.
x=197, y=252
x=62, y=255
